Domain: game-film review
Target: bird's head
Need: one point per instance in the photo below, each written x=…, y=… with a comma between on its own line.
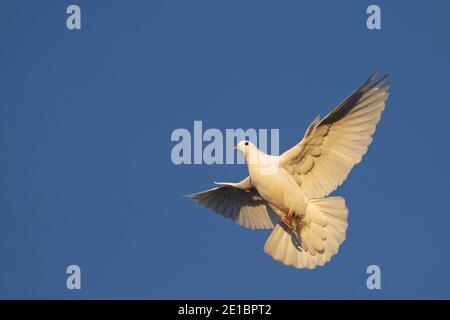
x=254, y=156
x=245, y=147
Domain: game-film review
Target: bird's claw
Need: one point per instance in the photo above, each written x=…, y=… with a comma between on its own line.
x=288, y=219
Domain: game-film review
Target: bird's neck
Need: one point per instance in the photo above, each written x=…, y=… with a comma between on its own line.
x=260, y=163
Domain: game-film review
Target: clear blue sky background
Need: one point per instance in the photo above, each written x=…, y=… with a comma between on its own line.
x=85, y=121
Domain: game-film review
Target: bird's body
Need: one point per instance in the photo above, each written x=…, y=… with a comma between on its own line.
x=290, y=192
x=275, y=185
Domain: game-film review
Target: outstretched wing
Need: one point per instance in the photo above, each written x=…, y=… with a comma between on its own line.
x=239, y=202
x=332, y=146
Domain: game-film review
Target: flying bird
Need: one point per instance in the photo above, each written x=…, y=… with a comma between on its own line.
x=290, y=193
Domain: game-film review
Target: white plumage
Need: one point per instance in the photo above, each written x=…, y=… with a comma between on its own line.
x=289, y=192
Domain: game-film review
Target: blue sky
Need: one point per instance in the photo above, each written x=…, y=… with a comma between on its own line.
x=86, y=116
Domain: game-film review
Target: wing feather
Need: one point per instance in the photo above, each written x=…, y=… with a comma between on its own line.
x=239, y=202
x=332, y=146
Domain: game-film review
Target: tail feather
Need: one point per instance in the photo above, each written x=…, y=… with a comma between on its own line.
x=321, y=231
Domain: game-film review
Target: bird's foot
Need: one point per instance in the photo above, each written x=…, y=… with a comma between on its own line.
x=288, y=219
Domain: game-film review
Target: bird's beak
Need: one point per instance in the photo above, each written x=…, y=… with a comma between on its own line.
x=235, y=148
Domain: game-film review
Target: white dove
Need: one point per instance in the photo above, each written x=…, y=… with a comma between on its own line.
x=290, y=192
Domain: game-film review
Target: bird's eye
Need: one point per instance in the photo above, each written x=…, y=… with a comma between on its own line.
x=246, y=143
